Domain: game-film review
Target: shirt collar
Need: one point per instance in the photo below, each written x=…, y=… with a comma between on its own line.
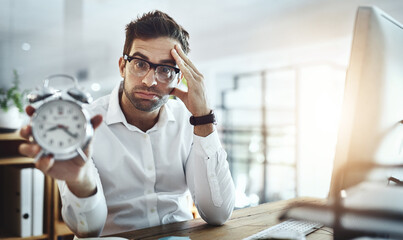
x=115, y=114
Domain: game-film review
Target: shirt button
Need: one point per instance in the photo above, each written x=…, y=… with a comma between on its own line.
x=149, y=191
x=150, y=168
x=152, y=210
x=82, y=222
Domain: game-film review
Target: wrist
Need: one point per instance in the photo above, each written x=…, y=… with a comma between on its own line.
x=83, y=187
x=201, y=112
x=203, y=119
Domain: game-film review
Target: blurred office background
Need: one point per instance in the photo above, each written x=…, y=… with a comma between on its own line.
x=274, y=71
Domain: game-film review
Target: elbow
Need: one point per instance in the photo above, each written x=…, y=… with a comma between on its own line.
x=218, y=221
x=216, y=218
x=217, y=215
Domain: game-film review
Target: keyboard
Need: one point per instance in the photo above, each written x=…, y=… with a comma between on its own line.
x=292, y=226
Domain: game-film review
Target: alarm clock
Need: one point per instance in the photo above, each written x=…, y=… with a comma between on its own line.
x=60, y=124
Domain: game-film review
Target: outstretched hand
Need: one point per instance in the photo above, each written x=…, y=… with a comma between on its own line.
x=74, y=171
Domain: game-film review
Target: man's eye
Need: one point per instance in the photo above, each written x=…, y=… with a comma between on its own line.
x=166, y=70
x=141, y=64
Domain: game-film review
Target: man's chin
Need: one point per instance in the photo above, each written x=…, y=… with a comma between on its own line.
x=147, y=105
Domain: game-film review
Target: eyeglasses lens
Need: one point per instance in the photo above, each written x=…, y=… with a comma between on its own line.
x=163, y=74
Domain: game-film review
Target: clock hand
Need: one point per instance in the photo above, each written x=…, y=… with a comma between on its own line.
x=52, y=128
x=66, y=130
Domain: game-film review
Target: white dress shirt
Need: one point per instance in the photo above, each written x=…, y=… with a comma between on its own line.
x=144, y=178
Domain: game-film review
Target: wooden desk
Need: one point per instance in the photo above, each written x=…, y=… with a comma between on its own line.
x=243, y=223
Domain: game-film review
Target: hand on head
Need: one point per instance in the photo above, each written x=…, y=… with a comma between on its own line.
x=195, y=99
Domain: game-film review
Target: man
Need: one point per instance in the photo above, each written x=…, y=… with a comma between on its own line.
x=145, y=155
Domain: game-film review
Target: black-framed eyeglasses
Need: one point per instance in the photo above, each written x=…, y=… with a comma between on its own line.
x=140, y=68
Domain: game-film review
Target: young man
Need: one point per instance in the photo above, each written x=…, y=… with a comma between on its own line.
x=146, y=157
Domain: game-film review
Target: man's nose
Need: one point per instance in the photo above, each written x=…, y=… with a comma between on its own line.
x=150, y=78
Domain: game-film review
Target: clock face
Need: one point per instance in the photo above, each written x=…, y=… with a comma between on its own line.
x=59, y=126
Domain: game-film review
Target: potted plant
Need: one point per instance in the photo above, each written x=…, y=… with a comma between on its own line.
x=12, y=101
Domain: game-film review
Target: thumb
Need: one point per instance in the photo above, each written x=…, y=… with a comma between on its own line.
x=179, y=93
x=30, y=110
x=96, y=121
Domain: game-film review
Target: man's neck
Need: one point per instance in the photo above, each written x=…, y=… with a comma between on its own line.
x=142, y=120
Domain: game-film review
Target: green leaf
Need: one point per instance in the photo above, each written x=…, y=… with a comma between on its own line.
x=13, y=96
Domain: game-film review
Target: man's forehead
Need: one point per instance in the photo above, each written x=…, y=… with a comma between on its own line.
x=157, y=48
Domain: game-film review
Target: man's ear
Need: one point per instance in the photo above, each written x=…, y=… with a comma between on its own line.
x=122, y=64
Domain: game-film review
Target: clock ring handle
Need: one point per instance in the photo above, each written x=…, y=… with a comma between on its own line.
x=46, y=81
x=46, y=91
x=74, y=92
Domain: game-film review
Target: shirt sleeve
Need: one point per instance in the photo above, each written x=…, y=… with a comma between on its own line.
x=209, y=179
x=84, y=216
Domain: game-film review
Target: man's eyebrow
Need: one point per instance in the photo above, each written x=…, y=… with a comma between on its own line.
x=166, y=61
x=138, y=54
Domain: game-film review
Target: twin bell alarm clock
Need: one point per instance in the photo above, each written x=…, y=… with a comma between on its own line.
x=60, y=124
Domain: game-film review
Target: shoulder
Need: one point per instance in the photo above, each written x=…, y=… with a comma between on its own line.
x=99, y=106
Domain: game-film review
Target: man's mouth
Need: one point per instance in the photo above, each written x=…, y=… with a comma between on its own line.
x=146, y=95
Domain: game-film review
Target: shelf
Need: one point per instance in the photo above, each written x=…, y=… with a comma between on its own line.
x=10, y=156
x=61, y=229
x=43, y=236
x=11, y=136
x=16, y=161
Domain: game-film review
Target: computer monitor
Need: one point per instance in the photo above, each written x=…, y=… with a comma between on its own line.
x=370, y=130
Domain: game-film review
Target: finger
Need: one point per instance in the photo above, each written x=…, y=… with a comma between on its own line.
x=177, y=58
x=29, y=149
x=45, y=163
x=182, y=54
x=29, y=110
x=26, y=131
x=96, y=121
x=184, y=67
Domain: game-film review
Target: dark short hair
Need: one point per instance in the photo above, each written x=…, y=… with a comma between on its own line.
x=153, y=25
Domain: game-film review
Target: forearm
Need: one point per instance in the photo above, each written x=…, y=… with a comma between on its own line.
x=203, y=130
x=84, y=186
x=210, y=182
x=85, y=216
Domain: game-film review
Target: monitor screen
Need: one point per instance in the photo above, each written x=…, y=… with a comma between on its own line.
x=370, y=128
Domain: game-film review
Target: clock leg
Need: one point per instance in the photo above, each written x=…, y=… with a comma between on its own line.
x=82, y=154
x=39, y=155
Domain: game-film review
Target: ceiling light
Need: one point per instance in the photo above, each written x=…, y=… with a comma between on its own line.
x=95, y=87
x=26, y=46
